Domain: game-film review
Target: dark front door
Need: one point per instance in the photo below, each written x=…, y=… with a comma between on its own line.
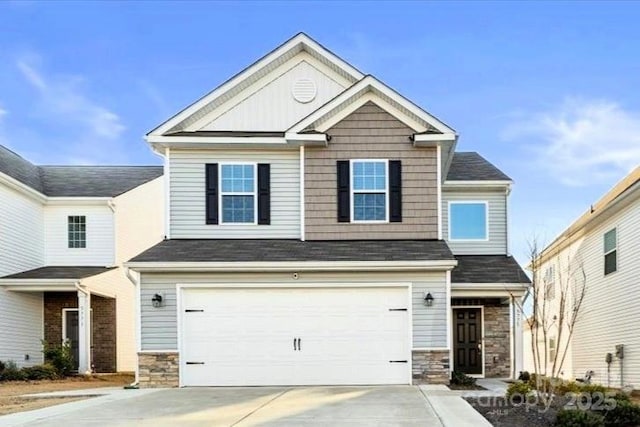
x=72, y=333
x=467, y=340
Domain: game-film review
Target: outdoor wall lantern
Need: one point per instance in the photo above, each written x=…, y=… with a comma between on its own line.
x=157, y=300
x=428, y=299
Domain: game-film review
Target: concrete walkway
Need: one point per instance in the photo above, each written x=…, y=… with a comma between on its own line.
x=451, y=409
x=254, y=406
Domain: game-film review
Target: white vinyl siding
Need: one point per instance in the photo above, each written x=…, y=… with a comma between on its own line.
x=496, y=217
x=272, y=106
x=611, y=303
x=187, y=189
x=21, y=248
x=100, y=236
x=159, y=325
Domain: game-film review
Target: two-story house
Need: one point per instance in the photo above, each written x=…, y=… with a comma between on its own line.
x=64, y=233
x=587, y=281
x=321, y=229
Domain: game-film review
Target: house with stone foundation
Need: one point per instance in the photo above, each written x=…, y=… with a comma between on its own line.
x=321, y=228
x=64, y=233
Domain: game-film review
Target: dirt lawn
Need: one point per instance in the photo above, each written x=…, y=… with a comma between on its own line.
x=10, y=392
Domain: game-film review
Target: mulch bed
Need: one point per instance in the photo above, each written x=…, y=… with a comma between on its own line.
x=501, y=413
x=465, y=387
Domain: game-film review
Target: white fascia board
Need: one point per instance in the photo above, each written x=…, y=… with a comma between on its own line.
x=293, y=43
x=478, y=185
x=492, y=287
x=430, y=139
x=293, y=266
x=76, y=201
x=366, y=84
x=16, y=185
x=306, y=139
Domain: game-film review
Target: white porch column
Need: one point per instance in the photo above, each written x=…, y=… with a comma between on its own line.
x=84, y=332
x=517, y=338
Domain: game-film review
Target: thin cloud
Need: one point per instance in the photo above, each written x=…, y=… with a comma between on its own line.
x=581, y=141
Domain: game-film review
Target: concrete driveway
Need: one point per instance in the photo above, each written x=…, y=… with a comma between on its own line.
x=258, y=406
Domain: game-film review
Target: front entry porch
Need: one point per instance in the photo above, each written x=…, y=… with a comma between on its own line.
x=73, y=313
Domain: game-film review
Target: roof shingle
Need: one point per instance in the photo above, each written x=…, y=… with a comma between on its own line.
x=471, y=166
x=488, y=269
x=55, y=272
x=257, y=250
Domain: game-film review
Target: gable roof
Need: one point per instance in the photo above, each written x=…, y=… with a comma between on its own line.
x=251, y=74
x=488, y=269
x=76, y=181
x=471, y=166
x=627, y=187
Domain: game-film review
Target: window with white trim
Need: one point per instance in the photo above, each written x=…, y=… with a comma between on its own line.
x=369, y=190
x=238, y=193
x=550, y=283
x=610, y=251
x=77, y=231
x=468, y=221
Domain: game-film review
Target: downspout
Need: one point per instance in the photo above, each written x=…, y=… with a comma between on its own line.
x=134, y=281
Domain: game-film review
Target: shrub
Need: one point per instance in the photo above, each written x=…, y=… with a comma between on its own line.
x=2, y=366
x=624, y=414
x=11, y=372
x=59, y=357
x=518, y=391
x=593, y=388
x=460, y=378
x=568, y=387
x=40, y=372
x=578, y=418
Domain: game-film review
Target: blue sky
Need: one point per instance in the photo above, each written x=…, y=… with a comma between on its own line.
x=547, y=91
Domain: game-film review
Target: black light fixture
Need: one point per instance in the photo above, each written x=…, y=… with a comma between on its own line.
x=428, y=299
x=156, y=300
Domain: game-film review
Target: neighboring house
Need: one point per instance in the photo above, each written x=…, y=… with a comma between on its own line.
x=321, y=229
x=64, y=233
x=600, y=253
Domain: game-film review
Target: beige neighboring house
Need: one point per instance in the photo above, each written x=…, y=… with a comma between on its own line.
x=599, y=252
x=65, y=232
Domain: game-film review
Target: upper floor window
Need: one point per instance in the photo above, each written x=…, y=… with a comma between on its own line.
x=238, y=193
x=610, y=251
x=468, y=221
x=77, y=231
x=369, y=190
x=550, y=283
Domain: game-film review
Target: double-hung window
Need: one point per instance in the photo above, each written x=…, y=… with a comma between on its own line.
x=550, y=283
x=610, y=251
x=238, y=193
x=369, y=190
x=468, y=221
x=77, y=231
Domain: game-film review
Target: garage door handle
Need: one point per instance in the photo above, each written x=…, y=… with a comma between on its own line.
x=299, y=344
x=398, y=361
x=295, y=344
x=195, y=363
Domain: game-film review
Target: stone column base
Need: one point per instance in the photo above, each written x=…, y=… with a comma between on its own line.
x=158, y=370
x=430, y=366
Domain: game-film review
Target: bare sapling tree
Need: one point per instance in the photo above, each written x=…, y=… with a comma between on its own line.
x=558, y=287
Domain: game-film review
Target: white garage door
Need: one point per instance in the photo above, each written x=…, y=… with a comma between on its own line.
x=294, y=336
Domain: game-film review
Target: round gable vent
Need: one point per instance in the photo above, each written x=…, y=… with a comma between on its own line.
x=304, y=90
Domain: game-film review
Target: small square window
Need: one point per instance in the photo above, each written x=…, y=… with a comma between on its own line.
x=468, y=221
x=610, y=252
x=77, y=232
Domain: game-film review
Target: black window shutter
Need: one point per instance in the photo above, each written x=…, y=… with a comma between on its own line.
x=211, y=192
x=264, y=193
x=395, y=191
x=344, y=208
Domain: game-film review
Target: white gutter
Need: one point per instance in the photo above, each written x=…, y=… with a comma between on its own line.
x=293, y=266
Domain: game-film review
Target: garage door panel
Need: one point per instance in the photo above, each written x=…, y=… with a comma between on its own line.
x=246, y=336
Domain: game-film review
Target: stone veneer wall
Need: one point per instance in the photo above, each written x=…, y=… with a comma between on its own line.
x=430, y=366
x=497, y=341
x=158, y=370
